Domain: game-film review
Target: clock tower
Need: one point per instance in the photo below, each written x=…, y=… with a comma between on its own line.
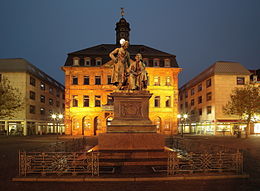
x=122, y=29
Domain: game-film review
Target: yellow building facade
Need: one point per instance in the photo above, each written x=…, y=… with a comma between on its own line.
x=88, y=107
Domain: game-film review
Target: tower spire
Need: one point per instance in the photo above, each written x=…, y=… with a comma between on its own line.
x=122, y=28
x=122, y=12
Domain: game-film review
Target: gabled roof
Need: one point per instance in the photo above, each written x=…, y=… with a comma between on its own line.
x=22, y=65
x=103, y=51
x=218, y=68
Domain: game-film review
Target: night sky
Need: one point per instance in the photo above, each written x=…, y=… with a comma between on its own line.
x=198, y=32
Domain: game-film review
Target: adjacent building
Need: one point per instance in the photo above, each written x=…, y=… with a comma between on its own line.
x=203, y=98
x=42, y=96
x=88, y=106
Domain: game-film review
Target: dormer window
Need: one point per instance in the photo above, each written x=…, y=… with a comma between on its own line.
x=156, y=62
x=98, y=61
x=146, y=61
x=75, y=61
x=87, y=61
x=167, y=63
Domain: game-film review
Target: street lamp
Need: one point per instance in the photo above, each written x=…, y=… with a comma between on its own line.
x=56, y=117
x=182, y=117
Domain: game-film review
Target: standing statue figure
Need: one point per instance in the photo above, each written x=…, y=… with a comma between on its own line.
x=137, y=74
x=121, y=59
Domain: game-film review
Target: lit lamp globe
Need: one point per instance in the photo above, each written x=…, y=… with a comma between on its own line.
x=60, y=116
x=179, y=116
x=185, y=116
x=122, y=41
x=53, y=116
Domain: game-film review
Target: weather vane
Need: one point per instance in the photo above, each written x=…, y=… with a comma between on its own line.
x=122, y=12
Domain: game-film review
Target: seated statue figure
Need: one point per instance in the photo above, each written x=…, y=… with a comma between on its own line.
x=137, y=79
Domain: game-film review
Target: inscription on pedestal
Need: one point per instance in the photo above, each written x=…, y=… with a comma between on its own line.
x=131, y=109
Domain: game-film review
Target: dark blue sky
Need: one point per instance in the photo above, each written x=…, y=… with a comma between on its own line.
x=198, y=32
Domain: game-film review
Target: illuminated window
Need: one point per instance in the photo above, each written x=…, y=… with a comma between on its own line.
x=168, y=81
x=97, y=80
x=74, y=101
x=42, y=98
x=42, y=111
x=167, y=63
x=32, y=95
x=208, y=83
x=199, y=87
x=209, y=96
x=156, y=80
x=208, y=109
x=156, y=62
x=97, y=101
x=109, y=100
x=74, y=80
x=51, y=90
x=51, y=101
x=240, y=80
x=42, y=86
x=85, y=101
x=192, y=102
x=168, y=101
x=86, y=80
x=157, y=101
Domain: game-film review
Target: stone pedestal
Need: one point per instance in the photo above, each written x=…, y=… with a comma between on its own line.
x=131, y=112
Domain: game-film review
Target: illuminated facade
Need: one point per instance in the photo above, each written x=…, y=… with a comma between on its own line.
x=203, y=98
x=41, y=94
x=88, y=107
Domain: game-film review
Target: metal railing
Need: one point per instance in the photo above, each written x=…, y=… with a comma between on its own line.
x=206, y=162
x=74, y=145
x=58, y=163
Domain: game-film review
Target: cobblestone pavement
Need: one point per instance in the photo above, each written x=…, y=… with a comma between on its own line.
x=9, y=147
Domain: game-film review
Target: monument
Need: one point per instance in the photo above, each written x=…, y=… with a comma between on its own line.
x=131, y=132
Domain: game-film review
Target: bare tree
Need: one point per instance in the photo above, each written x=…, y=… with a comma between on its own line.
x=10, y=99
x=244, y=102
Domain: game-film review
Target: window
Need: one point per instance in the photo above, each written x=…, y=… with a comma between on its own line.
x=157, y=101
x=168, y=81
x=199, y=87
x=87, y=61
x=86, y=80
x=97, y=80
x=32, y=95
x=186, y=94
x=32, y=109
x=85, y=101
x=109, y=79
x=208, y=109
x=240, y=80
x=42, y=86
x=109, y=100
x=32, y=81
x=199, y=99
x=192, y=102
x=74, y=101
x=181, y=106
x=51, y=90
x=208, y=83
x=209, y=96
x=156, y=80
x=58, y=93
x=51, y=101
x=74, y=80
x=156, y=62
x=168, y=101
x=200, y=111
x=42, y=111
x=98, y=62
x=146, y=61
x=181, y=96
x=42, y=98
x=57, y=104
x=192, y=91
x=75, y=61
x=97, y=101
x=186, y=104
x=167, y=63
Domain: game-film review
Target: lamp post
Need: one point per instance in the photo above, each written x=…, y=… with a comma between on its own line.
x=182, y=118
x=56, y=118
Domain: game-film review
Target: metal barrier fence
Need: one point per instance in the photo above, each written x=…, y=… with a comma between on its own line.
x=58, y=163
x=206, y=162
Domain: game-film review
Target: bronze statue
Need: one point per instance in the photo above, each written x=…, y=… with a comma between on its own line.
x=121, y=59
x=137, y=79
